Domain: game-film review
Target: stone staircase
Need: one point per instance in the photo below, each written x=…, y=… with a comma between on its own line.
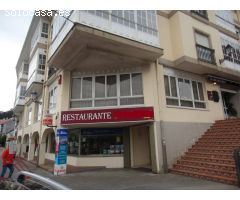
x=211, y=157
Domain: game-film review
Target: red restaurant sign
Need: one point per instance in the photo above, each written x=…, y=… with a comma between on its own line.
x=47, y=120
x=107, y=115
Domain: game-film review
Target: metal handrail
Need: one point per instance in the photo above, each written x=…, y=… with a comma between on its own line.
x=51, y=184
x=201, y=52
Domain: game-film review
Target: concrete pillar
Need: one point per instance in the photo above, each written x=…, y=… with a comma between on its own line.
x=156, y=147
x=49, y=143
x=18, y=149
x=31, y=150
x=23, y=149
x=42, y=152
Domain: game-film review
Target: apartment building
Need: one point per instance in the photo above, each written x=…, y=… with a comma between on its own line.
x=134, y=88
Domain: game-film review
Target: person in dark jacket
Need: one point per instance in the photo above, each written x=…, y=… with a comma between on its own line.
x=7, y=162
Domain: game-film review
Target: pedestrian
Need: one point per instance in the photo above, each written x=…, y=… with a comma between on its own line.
x=7, y=162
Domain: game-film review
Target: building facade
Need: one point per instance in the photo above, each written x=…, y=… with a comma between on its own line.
x=134, y=88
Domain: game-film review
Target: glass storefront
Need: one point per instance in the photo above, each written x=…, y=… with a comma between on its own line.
x=101, y=141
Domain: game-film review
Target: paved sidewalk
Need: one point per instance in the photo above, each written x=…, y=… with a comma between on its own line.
x=129, y=179
x=125, y=179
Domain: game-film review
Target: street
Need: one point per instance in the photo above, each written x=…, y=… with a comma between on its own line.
x=124, y=179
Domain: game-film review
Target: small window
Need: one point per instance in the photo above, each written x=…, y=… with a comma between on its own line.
x=202, y=39
x=41, y=63
x=44, y=33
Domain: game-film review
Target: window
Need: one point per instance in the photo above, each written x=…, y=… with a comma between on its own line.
x=125, y=17
x=73, y=142
x=146, y=21
x=41, y=63
x=107, y=90
x=204, y=52
x=52, y=100
x=184, y=92
x=100, y=13
x=58, y=22
x=29, y=116
x=231, y=49
x=22, y=91
x=38, y=111
x=225, y=18
x=105, y=143
x=202, y=39
x=25, y=68
x=44, y=33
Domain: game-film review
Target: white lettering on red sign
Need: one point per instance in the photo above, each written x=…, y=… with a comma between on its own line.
x=87, y=116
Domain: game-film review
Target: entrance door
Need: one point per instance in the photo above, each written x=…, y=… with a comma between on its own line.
x=230, y=103
x=140, y=147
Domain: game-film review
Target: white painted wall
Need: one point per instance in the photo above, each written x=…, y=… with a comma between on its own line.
x=91, y=161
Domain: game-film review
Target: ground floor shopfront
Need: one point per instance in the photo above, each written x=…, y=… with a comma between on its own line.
x=109, y=142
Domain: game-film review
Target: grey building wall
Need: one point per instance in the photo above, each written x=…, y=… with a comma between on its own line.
x=178, y=137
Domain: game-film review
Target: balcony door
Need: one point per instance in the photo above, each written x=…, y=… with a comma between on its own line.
x=204, y=51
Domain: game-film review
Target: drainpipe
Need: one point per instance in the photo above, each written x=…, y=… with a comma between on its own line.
x=163, y=142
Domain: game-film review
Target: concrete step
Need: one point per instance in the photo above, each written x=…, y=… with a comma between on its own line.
x=209, y=165
x=210, y=155
x=209, y=171
x=227, y=180
x=209, y=159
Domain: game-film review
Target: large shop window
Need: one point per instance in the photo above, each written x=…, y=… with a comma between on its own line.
x=95, y=142
x=184, y=92
x=107, y=90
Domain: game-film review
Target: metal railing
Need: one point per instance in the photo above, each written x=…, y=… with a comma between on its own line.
x=205, y=54
x=31, y=181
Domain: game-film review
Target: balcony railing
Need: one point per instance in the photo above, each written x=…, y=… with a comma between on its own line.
x=51, y=71
x=205, y=54
x=201, y=13
x=37, y=76
x=19, y=100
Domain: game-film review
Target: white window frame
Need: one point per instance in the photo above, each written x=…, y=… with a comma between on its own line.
x=178, y=93
x=43, y=33
x=118, y=97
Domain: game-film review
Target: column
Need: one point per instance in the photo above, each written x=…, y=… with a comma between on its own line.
x=31, y=150
x=156, y=147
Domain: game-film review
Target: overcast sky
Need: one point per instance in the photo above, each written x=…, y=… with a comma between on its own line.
x=13, y=31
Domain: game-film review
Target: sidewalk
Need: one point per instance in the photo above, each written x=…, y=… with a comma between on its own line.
x=123, y=179
x=130, y=179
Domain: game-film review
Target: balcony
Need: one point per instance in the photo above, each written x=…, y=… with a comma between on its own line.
x=205, y=54
x=231, y=55
x=19, y=105
x=35, y=82
x=201, y=13
x=94, y=42
x=22, y=75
